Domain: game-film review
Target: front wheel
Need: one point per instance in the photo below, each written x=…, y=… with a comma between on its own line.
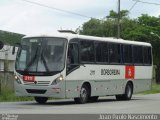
x=128, y=93
x=84, y=95
x=41, y=100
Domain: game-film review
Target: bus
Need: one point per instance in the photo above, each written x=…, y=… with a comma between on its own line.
x=81, y=67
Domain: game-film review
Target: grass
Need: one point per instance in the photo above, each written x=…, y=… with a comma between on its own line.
x=155, y=89
x=8, y=95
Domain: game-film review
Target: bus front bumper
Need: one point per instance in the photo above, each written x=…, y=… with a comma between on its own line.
x=57, y=91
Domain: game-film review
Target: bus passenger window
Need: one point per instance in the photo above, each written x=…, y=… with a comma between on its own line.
x=114, y=53
x=101, y=49
x=137, y=55
x=127, y=54
x=87, y=51
x=147, y=57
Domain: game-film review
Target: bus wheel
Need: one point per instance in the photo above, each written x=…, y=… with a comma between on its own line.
x=41, y=100
x=93, y=98
x=128, y=93
x=84, y=95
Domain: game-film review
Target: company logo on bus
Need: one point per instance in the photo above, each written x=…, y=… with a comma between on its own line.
x=129, y=74
x=29, y=78
x=110, y=72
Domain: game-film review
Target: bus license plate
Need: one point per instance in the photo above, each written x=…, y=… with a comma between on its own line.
x=28, y=78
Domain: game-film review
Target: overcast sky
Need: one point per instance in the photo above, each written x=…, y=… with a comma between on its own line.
x=26, y=18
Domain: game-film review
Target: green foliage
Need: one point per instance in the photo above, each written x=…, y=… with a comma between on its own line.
x=138, y=29
x=155, y=89
x=10, y=38
x=114, y=14
x=8, y=95
x=148, y=20
x=93, y=27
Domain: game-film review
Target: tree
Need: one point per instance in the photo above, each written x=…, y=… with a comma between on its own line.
x=92, y=27
x=10, y=38
x=113, y=14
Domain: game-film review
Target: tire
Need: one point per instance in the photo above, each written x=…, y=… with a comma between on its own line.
x=84, y=95
x=41, y=100
x=128, y=93
x=93, y=99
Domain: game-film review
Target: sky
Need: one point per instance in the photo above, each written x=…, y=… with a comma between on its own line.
x=23, y=17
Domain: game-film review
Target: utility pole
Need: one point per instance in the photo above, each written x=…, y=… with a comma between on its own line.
x=118, y=21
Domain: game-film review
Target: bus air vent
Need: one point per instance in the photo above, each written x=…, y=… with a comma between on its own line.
x=35, y=91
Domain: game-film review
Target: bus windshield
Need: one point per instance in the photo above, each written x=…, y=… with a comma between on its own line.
x=41, y=56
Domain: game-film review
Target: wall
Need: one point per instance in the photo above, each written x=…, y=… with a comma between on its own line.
x=7, y=63
x=7, y=59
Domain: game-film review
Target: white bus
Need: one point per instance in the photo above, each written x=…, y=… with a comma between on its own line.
x=81, y=67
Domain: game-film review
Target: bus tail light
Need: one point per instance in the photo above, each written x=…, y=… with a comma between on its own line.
x=57, y=80
x=17, y=79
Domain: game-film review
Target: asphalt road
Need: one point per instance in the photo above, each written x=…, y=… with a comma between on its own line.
x=138, y=104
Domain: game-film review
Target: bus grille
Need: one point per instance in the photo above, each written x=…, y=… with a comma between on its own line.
x=37, y=83
x=35, y=91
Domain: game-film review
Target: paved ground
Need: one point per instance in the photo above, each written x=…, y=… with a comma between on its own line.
x=138, y=104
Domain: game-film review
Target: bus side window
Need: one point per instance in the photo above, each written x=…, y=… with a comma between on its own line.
x=127, y=54
x=114, y=53
x=72, y=57
x=138, y=54
x=147, y=57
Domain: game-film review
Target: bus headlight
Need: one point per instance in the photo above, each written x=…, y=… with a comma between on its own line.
x=17, y=79
x=57, y=80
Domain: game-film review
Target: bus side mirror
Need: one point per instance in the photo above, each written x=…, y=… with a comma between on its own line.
x=14, y=48
x=1, y=45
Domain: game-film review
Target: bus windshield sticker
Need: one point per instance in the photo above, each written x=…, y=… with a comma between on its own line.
x=33, y=40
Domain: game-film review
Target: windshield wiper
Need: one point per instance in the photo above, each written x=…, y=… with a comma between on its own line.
x=32, y=60
x=45, y=63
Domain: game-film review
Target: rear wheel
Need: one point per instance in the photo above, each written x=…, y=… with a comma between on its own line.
x=84, y=95
x=128, y=93
x=41, y=100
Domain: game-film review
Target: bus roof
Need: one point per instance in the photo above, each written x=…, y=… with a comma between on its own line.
x=70, y=36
